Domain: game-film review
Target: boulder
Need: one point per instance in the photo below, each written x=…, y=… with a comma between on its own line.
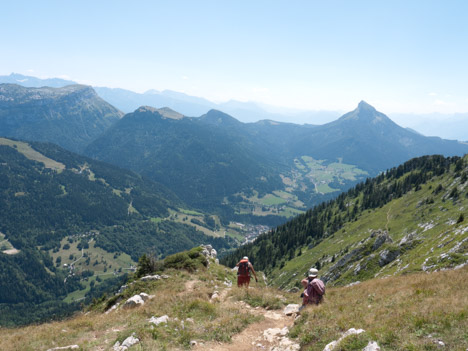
x=290, y=309
x=134, y=301
x=213, y=253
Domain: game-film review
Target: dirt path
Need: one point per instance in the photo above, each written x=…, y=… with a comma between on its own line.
x=268, y=334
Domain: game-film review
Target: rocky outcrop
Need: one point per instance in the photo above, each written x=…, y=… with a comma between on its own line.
x=209, y=252
x=381, y=239
x=388, y=256
x=134, y=301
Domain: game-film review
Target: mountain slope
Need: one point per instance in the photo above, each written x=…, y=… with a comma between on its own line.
x=412, y=218
x=369, y=139
x=195, y=158
x=71, y=116
x=66, y=220
x=416, y=312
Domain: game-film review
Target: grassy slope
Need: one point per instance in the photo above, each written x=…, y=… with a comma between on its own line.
x=433, y=225
x=410, y=312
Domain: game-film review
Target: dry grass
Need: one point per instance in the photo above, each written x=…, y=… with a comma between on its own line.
x=410, y=312
x=95, y=330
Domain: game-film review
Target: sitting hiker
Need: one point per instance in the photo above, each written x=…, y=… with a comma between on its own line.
x=243, y=272
x=314, y=289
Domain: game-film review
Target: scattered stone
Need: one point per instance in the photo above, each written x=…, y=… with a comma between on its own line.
x=190, y=320
x=193, y=343
x=371, y=346
x=215, y=296
x=113, y=308
x=130, y=341
x=127, y=343
x=331, y=346
x=272, y=334
x=122, y=289
x=352, y=284
x=150, y=277
x=159, y=320
x=164, y=276
x=290, y=309
x=69, y=347
x=134, y=301
x=286, y=345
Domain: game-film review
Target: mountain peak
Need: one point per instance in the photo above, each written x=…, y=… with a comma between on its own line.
x=218, y=117
x=365, y=106
x=164, y=112
x=367, y=114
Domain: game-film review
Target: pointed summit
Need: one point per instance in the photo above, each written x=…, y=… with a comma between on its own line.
x=366, y=114
x=365, y=106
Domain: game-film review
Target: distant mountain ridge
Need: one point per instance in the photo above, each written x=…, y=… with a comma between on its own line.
x=243, y=165
x=71, y=116
x=128, y=101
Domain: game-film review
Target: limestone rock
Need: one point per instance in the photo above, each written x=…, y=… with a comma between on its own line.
x=371, y=346
x=134, y=301
x=159, y=320
x=290, y=309
x=69, y=347
x=127, y=343
x=146, y=297
x=331, y=346
x=150, y=277
x=387, y=256
x=381, y=239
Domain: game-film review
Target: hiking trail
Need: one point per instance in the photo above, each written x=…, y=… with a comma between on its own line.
x=270, y=333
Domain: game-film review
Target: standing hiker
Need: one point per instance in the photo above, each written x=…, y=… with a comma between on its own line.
x=243, y=272
x=314, y=289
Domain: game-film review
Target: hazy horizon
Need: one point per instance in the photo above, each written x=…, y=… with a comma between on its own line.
x=402, y=57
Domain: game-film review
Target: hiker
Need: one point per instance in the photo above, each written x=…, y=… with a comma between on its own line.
x=243, y=272
x=314, y=289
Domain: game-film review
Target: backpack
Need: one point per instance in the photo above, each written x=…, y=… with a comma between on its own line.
x=244, y=268
x=319, y=287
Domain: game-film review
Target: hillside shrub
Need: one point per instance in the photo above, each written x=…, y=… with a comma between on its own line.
x=189, y=260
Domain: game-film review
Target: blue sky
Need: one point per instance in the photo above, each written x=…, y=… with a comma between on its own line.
x=401, y=56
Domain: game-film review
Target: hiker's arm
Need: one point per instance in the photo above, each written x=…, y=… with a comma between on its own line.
x=253, y=271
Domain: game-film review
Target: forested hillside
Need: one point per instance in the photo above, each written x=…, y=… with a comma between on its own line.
x=409, y=218
x=57, y=207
